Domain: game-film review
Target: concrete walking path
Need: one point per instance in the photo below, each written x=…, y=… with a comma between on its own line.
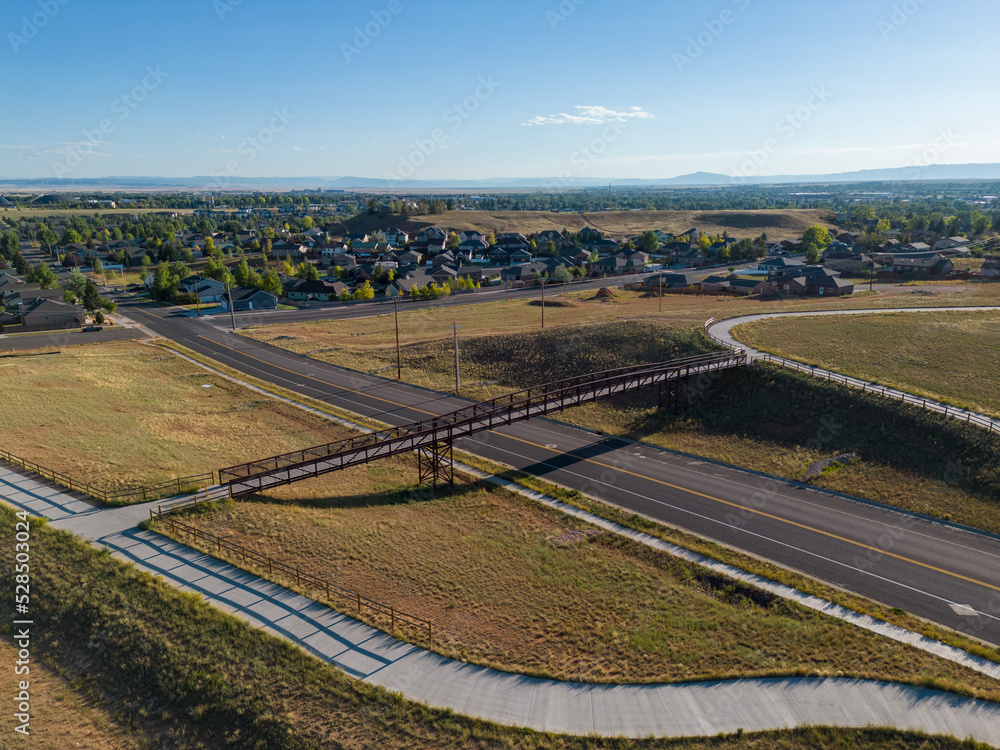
x=721, y=332
x=545, y=705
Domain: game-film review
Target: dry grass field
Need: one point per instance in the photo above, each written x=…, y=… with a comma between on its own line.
x=517, y=586
x=948, y=356
x=778, y=224
x=123, y=414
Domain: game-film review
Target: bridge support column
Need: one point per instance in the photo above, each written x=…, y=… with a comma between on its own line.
x=674, y=394
x=435, y=465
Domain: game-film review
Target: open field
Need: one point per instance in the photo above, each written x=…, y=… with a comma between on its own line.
x=61, y=717
x=779, y=224
x=122, y=414
x=197, y=678
x=948, y=356
x=513, y=585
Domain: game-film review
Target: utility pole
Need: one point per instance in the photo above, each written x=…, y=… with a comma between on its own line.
x=458, y=376
x=399, y=363
x=232, y=306
x=871, y=276
x=543, y=304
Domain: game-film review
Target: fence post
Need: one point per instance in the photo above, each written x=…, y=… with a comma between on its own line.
x=327, y=590
x=392, y=614
x=359, y=603
x=270, y=570
x=430, y=634
x=173, y=525
x=144, y=493
x=218, y=543
x=298, y=577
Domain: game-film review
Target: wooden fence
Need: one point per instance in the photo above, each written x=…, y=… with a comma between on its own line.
x=145, y=492
x=239, y=553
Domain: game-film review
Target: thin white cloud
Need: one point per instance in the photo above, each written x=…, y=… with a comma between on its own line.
x=297, y=148
x=584, y=114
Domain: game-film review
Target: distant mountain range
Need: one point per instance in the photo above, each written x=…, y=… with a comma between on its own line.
x=949, y=172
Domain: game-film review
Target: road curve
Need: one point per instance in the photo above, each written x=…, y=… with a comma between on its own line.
x=665, y=710
x=722, y=332
x=942, y=572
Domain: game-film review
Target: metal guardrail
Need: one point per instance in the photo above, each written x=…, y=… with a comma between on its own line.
x=302, y=579
x=962, y=415
x=255, y=476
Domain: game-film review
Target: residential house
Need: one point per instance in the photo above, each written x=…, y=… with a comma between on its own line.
x=611, y=265
x=445, y=258
x=241, y=299
x=444, y=274
x=432, y=235
x=499, y=257
x=472, y=247
x=522, y=272
x=519, y=255
x=206, y=290
x=635, y=261
x=670, y=281
x=951, y=243
x=396, y=237
x=990, y=269
x=314, y=291
x=922, y=265
x=811, y=281
x=41, y=314
x=292, y=253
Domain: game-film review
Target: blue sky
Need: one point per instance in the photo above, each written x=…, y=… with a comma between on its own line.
x=467, y=90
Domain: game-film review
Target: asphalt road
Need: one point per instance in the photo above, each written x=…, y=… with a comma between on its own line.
x=945, y=573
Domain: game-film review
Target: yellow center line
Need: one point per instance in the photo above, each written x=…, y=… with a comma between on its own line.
x=651, y=479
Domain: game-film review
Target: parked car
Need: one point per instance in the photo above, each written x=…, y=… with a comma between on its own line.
x=88, y=329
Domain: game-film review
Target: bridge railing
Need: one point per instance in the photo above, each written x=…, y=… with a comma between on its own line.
x=486, y=415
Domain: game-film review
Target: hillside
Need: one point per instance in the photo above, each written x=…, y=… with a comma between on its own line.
x=779, y=224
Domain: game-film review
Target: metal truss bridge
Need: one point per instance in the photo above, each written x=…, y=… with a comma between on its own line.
x=432, y=439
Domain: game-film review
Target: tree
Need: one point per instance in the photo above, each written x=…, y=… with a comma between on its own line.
x=550, y=249
x=271, y=282
x=98, y=266
x=43, y=275
x=562, y=274
x=307, y=271
x=70, y=237
x=453, y=241
x=817, y=235
x=812, y=253
x=91, y=299
x=648, y=242
x=364, y=291
x=209, y=247
x=345, y=295
x=703, y=241
x=372, y=206
x=76, y=282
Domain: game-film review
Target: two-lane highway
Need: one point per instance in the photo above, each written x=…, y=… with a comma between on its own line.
x=944, y=573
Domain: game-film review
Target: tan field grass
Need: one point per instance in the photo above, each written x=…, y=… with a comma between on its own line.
x=779, y=224
x=122, y=414
x=947, y=356
x=508, y=584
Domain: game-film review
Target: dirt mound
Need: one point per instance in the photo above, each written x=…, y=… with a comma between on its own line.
x=553, y=303
x=605, y=293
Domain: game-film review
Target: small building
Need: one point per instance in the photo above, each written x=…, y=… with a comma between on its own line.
x=249, y=299
x=39, y=314
x=990, y=269
x=933, y=265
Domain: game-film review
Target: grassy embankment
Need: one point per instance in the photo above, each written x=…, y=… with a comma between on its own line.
x=197, y=678
x=948, y=356
x=773, y=421
x=779, y=224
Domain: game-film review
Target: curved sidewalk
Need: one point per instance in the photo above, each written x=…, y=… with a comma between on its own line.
x=693, y=709
x=721, y=332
